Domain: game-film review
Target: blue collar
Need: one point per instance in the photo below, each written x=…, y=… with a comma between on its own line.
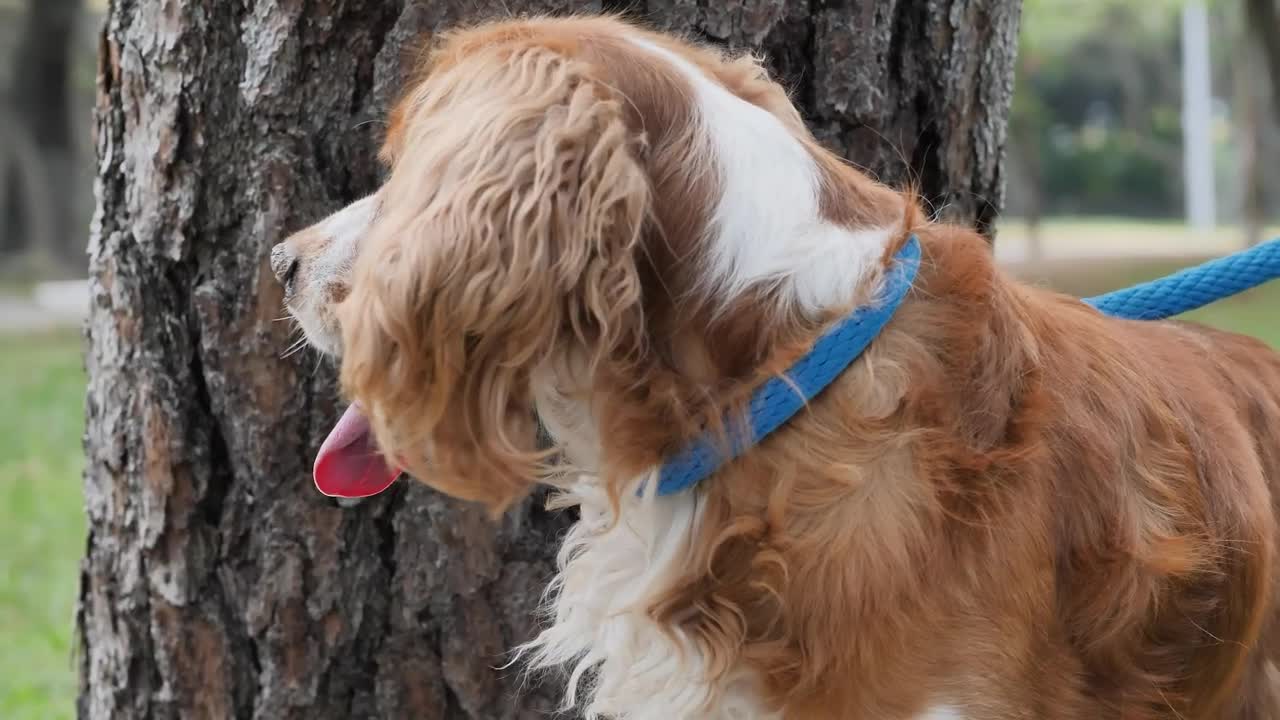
x=780, y=398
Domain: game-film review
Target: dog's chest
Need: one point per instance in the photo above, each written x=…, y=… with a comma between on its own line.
x=622, y=663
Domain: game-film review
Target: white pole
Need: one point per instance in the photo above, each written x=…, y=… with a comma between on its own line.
x=1197, y=137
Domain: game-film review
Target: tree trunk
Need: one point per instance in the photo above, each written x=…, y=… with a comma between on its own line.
x=42, y=70
x=217, y=582
x=1263, y=21
x=1249, y=74
x=42, y=107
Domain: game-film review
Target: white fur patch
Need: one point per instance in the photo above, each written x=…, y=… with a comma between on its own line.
x=621, y=663
x=341, y=233
x=345, y=229
x=565, y=418
x=768, y=228
x=942, y=712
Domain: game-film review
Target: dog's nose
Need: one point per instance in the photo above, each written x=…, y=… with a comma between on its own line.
x=284, y=263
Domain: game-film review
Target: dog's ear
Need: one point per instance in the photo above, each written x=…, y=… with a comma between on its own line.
x=508, y=233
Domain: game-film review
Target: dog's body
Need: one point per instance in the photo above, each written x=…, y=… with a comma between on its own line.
x=1009, y=507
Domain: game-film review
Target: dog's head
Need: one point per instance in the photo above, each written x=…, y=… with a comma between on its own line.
x=608, y=224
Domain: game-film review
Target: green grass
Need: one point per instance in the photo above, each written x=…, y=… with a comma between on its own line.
x=1169, y=232
x=41, y=521
x=1062, y=237
x=1255, y=313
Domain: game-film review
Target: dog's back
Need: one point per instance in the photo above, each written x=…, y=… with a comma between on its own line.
x=1248, y=374
x=1167, y=436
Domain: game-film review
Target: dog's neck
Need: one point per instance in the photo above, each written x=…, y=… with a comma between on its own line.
x=632, y=603
x=758, y=237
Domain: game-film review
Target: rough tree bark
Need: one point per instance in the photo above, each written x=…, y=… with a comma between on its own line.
x=217, y=582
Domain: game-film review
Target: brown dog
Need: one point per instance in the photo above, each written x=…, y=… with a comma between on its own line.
x=1009, y=507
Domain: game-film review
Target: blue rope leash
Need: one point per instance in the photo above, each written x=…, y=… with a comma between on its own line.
x=779, y=399
x=1194, y=287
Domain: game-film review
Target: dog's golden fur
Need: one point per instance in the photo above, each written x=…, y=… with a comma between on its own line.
x=509, y=230
x=1010, y=501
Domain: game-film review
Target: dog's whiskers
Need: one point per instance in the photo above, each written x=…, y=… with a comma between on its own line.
x=295, y=348
x=319, y=361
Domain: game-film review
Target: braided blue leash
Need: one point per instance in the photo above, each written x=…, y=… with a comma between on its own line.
x=1193, y=287
x=779, y=399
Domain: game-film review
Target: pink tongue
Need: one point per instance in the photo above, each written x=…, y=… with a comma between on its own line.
x=349, y=464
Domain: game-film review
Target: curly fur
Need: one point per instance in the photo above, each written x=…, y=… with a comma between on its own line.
x=465, y=293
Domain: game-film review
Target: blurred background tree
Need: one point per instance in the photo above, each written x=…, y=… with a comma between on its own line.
x=46, y=159
x=1256, y=71
x=1096, y=126
x=1263, y=30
